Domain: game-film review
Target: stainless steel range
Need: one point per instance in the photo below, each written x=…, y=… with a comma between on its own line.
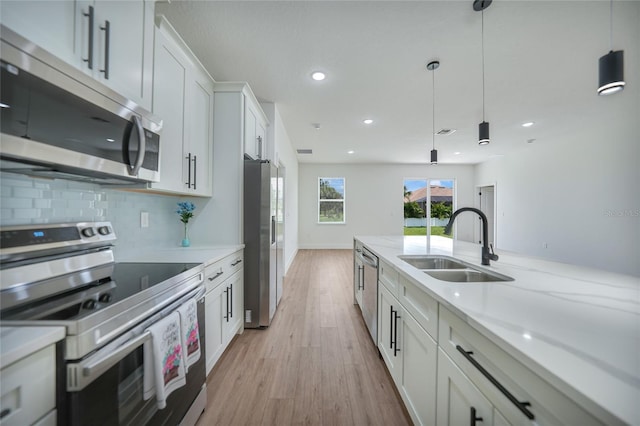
x=65, y=275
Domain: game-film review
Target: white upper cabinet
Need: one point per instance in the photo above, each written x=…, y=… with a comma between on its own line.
x=112, y=41
x=183, y=98
x=255, y=130
x=49, y=24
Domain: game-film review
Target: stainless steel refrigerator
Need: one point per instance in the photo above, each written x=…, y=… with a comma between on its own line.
x=263, y=239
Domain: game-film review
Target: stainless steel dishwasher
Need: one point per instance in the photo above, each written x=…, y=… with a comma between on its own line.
x=370, y=292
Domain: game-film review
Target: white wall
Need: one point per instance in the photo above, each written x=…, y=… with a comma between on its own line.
x=374, y=200
x=578, y=192
x=283, y=153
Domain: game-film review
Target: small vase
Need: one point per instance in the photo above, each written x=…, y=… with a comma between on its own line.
x=185, y=240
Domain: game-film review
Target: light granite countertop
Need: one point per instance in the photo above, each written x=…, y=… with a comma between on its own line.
x=19, y=342
x=576, y=327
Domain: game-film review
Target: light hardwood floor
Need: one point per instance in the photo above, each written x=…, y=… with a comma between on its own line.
x=316, y=364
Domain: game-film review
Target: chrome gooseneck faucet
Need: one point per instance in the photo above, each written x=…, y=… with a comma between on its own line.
x=487, y=254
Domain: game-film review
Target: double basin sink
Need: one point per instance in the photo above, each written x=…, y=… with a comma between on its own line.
x=453, y=270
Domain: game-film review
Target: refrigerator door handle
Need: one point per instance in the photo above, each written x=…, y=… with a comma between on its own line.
x=273, y=229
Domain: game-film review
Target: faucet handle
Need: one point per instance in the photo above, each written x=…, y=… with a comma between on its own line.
x=493, y=255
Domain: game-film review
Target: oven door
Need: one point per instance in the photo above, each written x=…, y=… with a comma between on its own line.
x=107, y=387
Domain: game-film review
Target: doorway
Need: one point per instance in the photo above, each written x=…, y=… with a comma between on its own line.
x=487, y=204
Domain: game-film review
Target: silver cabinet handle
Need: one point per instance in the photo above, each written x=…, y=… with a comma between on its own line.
x=259, y=154
x=142, y=146
x=107, y=35
x=188, y=182
x=195, y=165
x=89, y=59
x=216, y=275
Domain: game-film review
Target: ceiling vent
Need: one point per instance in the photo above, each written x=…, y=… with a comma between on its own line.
x=445, y=132
x=305, y=151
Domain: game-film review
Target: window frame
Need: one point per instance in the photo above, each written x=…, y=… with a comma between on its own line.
x=343, y=201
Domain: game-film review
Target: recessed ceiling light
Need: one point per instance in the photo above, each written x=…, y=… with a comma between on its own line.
x=3, y=105
x=110, y=140
x=527, y=124
x=318, y=75
x=367, y=121
x=457, y=153
x=350, y=152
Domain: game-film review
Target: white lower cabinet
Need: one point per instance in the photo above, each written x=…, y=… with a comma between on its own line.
x=459, y=401
x=411, y=355
x=28, y=390
x=224, y=305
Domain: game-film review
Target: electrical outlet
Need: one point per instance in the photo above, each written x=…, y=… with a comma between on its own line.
x=144, y=219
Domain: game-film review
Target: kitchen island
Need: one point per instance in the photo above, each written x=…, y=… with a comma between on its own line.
x=576, y=328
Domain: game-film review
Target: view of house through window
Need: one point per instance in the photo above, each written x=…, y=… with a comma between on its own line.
x=428, y=204
x=331, y=200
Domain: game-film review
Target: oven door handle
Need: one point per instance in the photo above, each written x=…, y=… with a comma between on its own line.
x=104, y=363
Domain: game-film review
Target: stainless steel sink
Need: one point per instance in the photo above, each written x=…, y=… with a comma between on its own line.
x=433, y=262
x=467, y=275
x=448, y=269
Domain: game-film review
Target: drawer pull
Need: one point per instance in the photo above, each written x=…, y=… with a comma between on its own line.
x=522, y=406
x=4, y=413
x=236, y=262
x=216, y=276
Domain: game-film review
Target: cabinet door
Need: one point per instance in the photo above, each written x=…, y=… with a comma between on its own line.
x=459, y=401
x=261, y=142
x=199, y=132
x=49, y=24
x=387, y=313
x=250, y=135
x=125, y=72
x=168, y=102
x=418, y=377
x=214, y=308
x=232, y=316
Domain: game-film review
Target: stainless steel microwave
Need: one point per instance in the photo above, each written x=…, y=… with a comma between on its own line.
x=56, y=121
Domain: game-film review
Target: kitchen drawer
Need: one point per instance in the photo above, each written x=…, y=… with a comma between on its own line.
x=235, y=262
x=388, y=276
x=27, y=388
x=423, y=307
x=547, y=404
x=215, y=274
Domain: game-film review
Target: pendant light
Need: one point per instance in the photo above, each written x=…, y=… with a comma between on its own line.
x=611, y=65
x=432, y=66
x=483, y=128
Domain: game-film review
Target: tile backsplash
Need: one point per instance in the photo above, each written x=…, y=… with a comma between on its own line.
x=26, y=200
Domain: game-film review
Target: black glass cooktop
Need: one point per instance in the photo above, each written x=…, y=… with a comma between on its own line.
x=107, y=286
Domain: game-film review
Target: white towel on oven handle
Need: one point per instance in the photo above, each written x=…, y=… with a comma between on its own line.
x=164, y=364
x=190, y=332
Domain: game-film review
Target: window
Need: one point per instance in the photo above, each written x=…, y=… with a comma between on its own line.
x=427, y=198
x=331, y=200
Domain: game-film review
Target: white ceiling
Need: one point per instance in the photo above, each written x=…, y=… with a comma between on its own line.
x=541, y=60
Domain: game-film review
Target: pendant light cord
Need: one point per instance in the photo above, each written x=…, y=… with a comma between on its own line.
x=611, y=25
x=483, y=64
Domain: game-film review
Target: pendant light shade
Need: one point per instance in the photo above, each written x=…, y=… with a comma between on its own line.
x=483, y=133
x=611, y=67
x=434, y=156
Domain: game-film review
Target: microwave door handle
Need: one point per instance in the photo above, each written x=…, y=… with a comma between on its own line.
x=133, y=170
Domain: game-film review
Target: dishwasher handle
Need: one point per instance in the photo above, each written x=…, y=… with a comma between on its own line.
x=371, y=261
